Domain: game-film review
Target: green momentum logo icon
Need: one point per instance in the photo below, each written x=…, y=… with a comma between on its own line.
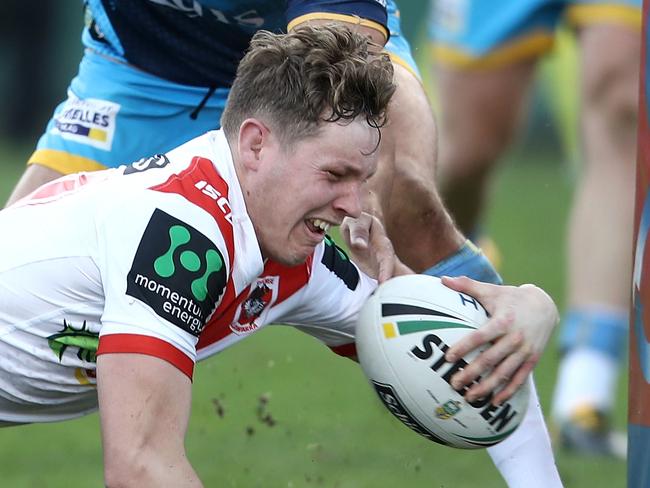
x=178, y=272
x=165, y=267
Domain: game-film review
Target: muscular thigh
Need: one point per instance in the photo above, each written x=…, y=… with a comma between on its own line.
x=410, y=129
x=480, y=112
x=485, y=55
x=610, y=61
x=609, y=43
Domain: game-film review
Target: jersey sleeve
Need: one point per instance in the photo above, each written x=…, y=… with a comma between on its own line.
x=162, y=276
x=328, y=306
x=370, y=13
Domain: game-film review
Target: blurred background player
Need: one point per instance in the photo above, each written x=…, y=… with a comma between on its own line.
x=486, y=54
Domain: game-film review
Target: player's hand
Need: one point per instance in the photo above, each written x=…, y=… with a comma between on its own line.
x=370, y=247
x=521, y=321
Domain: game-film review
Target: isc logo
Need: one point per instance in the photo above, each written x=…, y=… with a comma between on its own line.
x=222, y=202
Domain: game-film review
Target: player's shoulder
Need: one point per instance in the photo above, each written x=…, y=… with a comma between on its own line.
x=201, y=171
x=189, y=187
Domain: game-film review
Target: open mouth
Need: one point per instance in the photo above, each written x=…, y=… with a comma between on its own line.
x=318, y=226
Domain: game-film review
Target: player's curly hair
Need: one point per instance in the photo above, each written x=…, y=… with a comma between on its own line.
x=314, y=74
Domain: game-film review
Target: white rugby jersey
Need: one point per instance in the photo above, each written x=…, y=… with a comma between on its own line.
x=159, y=258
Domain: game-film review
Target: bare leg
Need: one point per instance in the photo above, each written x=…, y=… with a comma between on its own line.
x=600, y=232
x=405, y=188
x=480, y=112
x=602, y=214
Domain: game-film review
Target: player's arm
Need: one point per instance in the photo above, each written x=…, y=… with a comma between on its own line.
x=144, y=407
x=34, y=176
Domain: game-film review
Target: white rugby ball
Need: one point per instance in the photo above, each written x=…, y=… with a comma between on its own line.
x=402, y=334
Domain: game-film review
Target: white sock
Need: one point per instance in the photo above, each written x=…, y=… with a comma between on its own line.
x=585, y=377
x=525, y=459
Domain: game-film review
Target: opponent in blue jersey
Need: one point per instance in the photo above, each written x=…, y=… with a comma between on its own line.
x=172, y=62
x=486, y=54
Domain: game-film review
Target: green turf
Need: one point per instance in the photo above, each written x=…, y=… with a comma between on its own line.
x=280, y=410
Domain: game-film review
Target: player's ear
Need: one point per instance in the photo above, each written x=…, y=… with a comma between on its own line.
x=254, y=135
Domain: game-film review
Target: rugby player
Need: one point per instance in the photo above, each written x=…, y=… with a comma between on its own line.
x=116, y=282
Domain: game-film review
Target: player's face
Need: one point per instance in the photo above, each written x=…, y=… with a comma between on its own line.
x=311, y=187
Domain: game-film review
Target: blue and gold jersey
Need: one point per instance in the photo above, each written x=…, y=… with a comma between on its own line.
x=200, y=43
x=162, y=69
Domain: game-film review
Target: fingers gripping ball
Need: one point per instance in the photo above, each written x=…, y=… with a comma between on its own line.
x=404, y=330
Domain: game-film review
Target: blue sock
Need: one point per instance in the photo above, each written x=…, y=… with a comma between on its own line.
x=602, y=330
x=467, y=261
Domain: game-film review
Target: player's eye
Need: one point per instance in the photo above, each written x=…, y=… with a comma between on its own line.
x=333, y=175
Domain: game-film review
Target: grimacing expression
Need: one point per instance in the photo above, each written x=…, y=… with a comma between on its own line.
x=307, y=188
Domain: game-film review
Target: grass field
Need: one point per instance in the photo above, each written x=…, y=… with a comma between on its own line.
x=279, y=410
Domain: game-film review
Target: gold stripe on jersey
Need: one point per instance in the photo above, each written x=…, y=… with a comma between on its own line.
x=350, y=19
x=63, y=162
x=398, y=60
x=581, y=15
x=529, y=46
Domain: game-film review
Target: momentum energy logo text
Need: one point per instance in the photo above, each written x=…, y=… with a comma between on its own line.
x=178, y=272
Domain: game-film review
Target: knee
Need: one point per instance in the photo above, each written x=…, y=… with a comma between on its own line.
x=415, y=192
x=468, y=162
x=469, y=146
x=408, y=175
x=610, y=93
x=469, y=149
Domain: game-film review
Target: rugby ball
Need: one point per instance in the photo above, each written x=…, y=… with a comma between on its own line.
x=402, y=333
